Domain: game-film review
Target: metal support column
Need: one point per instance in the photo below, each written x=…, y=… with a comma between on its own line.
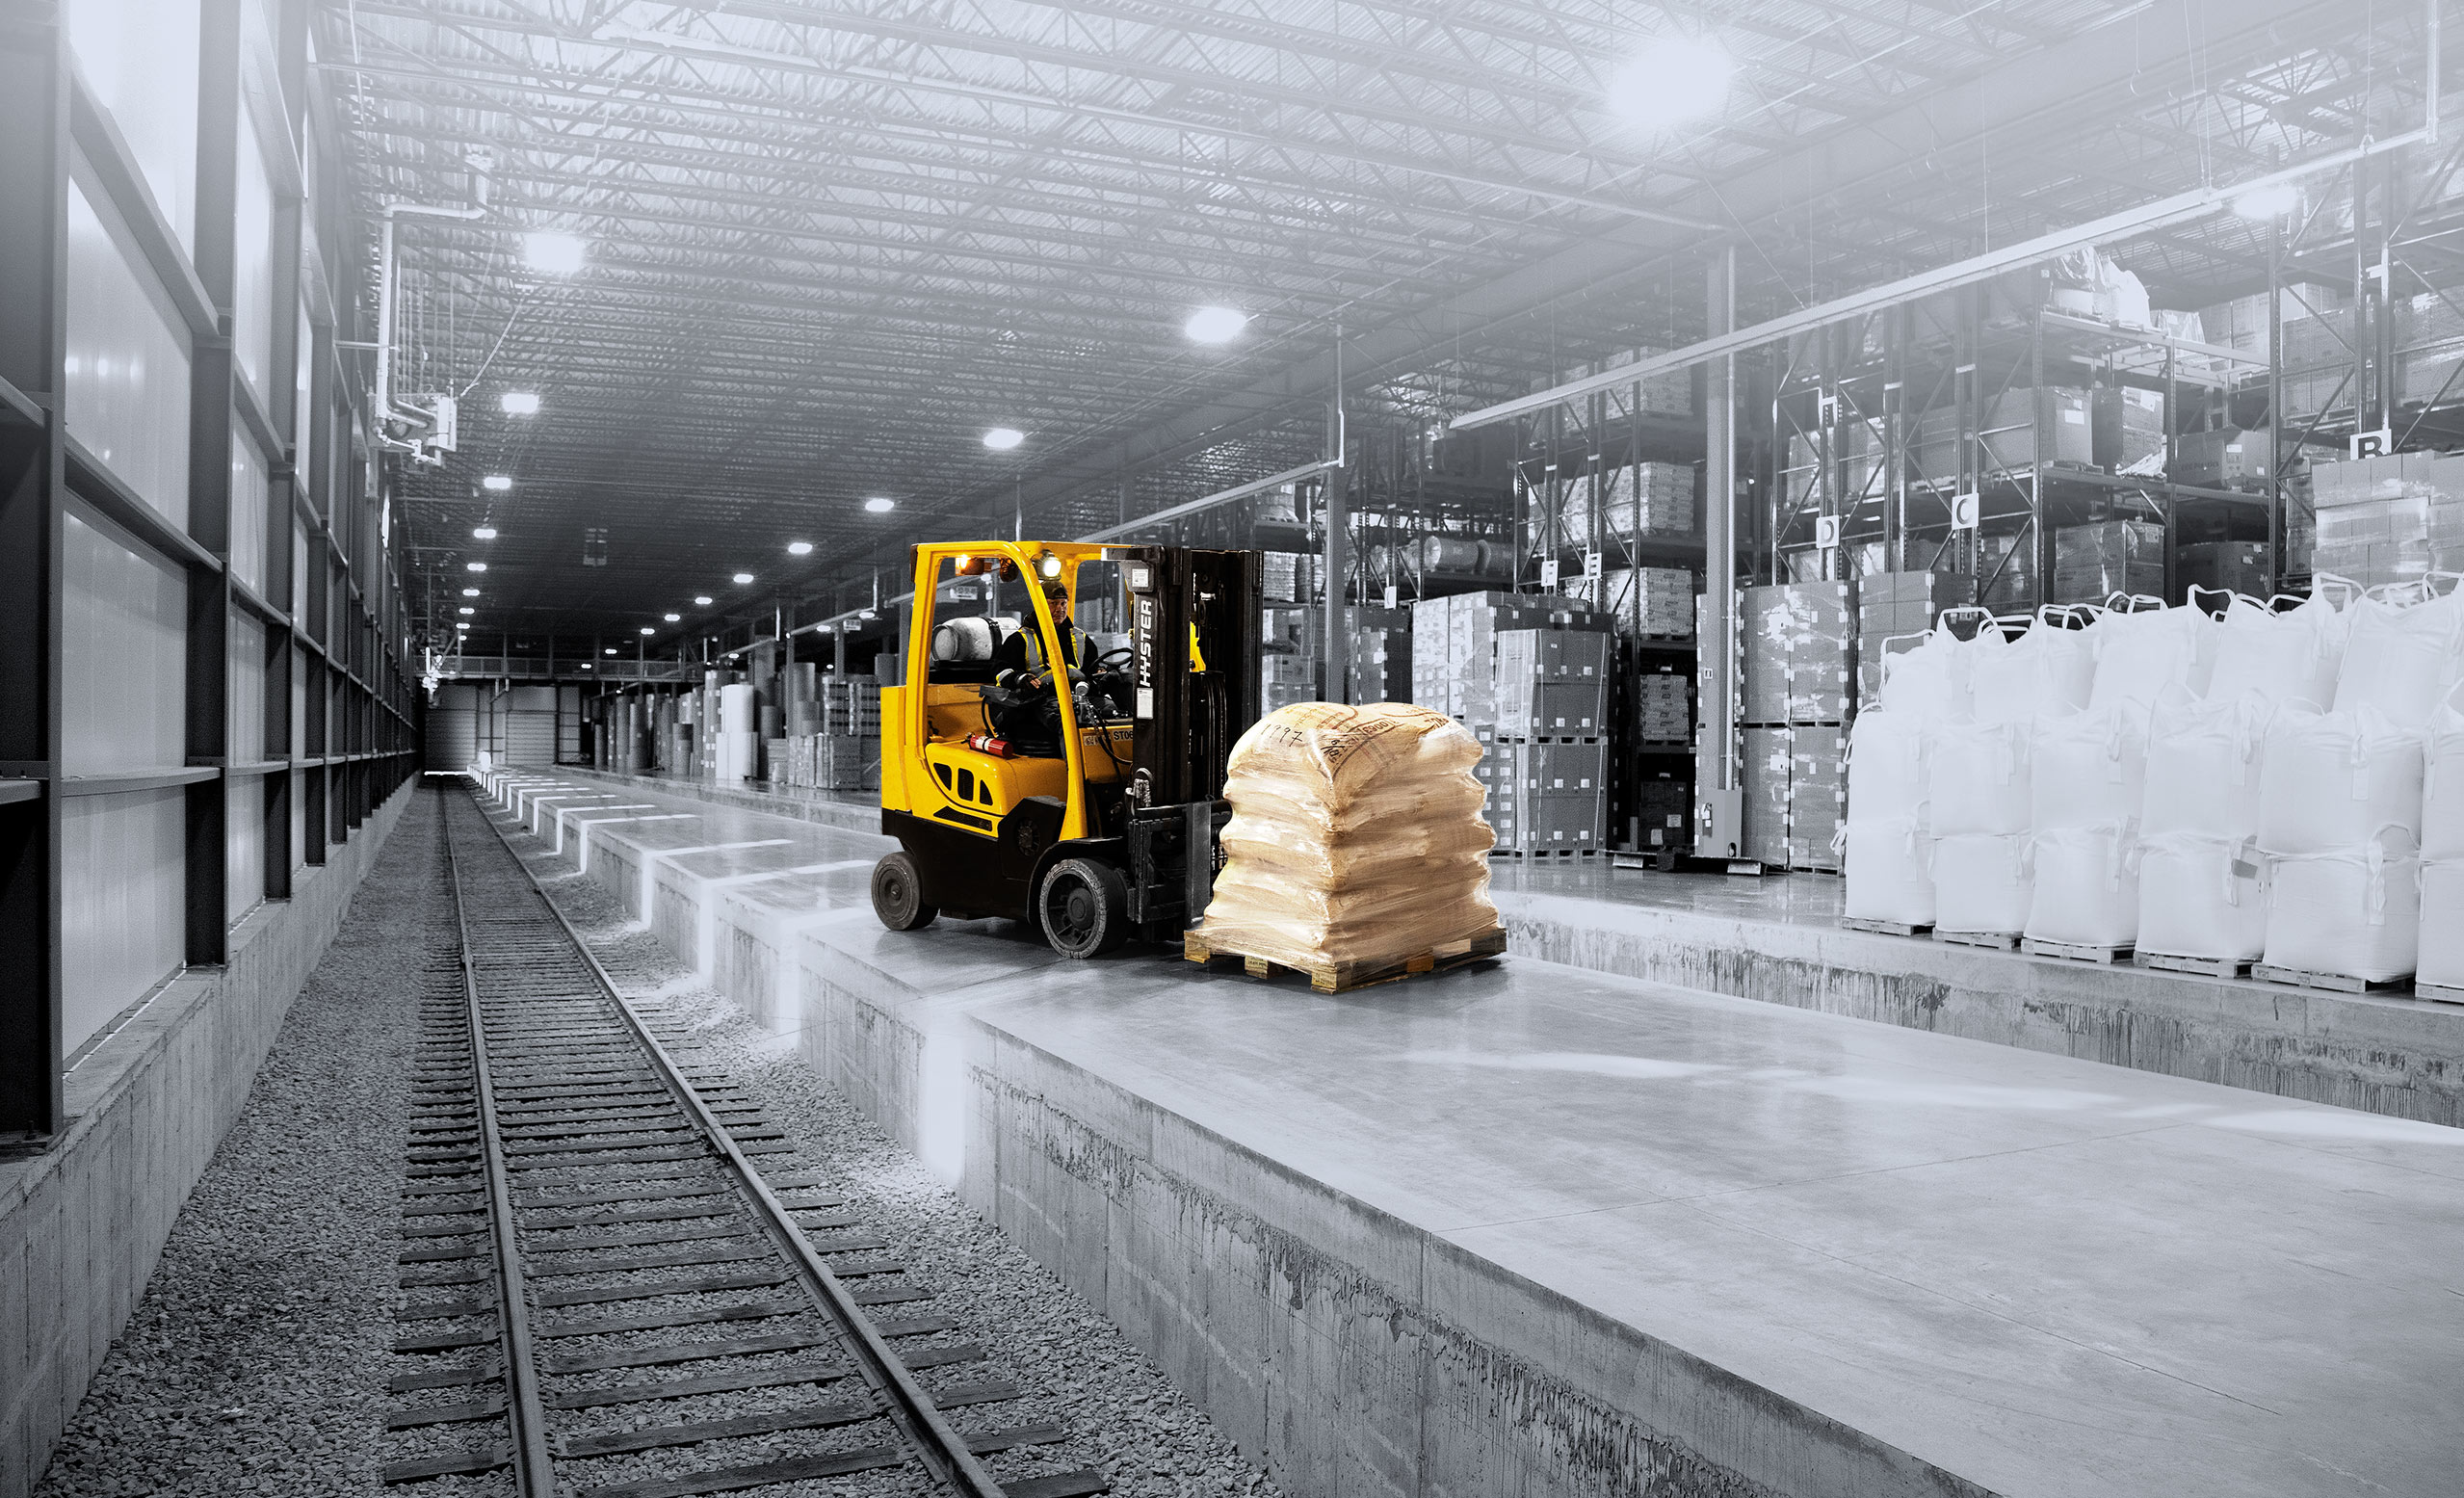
x=213, y=373
x=1719, y=796
x=1336, y=513
x=34, y=181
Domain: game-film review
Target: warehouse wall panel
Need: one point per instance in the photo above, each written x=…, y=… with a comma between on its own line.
x=124, y=672
x=252, y=320
x=246, y=742
x=128, y=397
x=453, y=727
x=244, y=848
x=252, y=485
x=122, y=923
x=139, y=57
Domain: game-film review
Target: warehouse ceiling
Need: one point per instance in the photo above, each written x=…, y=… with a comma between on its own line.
x=826, y=245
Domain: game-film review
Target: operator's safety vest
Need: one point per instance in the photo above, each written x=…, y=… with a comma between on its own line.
x=1035, y=641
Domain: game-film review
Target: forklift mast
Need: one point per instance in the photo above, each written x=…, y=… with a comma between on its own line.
x=1197, y=630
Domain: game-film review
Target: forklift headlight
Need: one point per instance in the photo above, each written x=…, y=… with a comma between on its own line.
x=1049, y=566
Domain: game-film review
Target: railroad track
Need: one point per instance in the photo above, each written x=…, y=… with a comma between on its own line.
x=617, y=1282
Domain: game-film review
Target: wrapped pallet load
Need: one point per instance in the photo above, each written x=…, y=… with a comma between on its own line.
x=1355, y=846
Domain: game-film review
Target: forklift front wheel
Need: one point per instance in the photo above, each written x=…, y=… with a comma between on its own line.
x=1084, y=907
x=897, y=894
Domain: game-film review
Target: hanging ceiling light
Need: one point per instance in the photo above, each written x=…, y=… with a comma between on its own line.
x=1671, y=80
x=881, y=505
x=647, y=630
x=497, y=481
x=485, y=533
x=702, y=600
x=470, y=593
x=475, y=567
x=672, y=617
x=519, y=402
x=553, y=253
x=741, y=578
x=799, y=549
x=1002, y=439
x=1215, y=325
x=467, y=609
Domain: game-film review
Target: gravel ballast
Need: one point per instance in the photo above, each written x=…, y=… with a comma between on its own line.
x=245, y=1368
x=1079, y=1370
x=256, y=1360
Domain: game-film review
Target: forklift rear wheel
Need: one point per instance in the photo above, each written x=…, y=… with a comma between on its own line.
x=1085, y=907
x=897, y=894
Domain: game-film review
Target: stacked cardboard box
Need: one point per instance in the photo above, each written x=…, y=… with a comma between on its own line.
x=1662, y=802
x=2058, y=417
x=2389, y=519
x=1290, y=576
x=1657, y=603
x=1546, y=797
x=1797, y=662
x=1454, y=662
x=1286, y=679
x=1663, y=707
x=1381, y=665
x=828, y=762
x=2222, y=566
x=1892, y=609
x=2091, y=563
x=1553, y=683
x=1763, y=775
x=2227, y=458
x=1816, y=794
x=2007, y=571
x=851, y=706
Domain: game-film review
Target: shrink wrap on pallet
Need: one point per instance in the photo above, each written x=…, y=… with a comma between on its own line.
x=1889, y=873
x=2200, y=896
x=1356, y=838
x=2355, y=911
x=1980, y=883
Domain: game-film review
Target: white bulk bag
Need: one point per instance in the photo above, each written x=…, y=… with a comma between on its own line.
x=1886, y=767
x=2203, y=765
x=2293, y=656
x=2139, y=654
x=2328, y=781
x=1976, y=778
x=1980, y=883
x=2200, y=896
x=2356, y=912
x=1929, y=681
x=2048, y=669
x=1887, y=871
x=2442, y=950
x=2088, y=770
x=2085, y=889
x=2443, y=779
x=2397, y=657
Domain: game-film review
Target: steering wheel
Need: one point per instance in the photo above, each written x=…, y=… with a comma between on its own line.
x=1122, y=653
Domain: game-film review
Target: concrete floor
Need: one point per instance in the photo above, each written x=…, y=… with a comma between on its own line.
x=1958, y=1262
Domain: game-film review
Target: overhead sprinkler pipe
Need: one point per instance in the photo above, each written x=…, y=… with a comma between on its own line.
x=481, y=165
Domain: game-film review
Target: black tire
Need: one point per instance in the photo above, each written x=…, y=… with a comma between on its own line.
x=1084, y=907
x=897, y=894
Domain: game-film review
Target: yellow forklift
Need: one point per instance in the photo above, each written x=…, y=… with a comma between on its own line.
x=1028, y=773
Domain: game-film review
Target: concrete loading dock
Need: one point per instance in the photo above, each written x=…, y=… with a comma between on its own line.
x=1537, y=1224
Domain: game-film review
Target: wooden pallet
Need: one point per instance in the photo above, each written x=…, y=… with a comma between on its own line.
x=1996, y=940
x=2438, y=993
x=1344, y=977
x=1884, y=928
x=2340, y=982
x=2072, y=952
x=2210, y=966
x=1662, y=860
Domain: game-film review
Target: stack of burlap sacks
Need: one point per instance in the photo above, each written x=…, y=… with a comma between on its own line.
x=1356, y=838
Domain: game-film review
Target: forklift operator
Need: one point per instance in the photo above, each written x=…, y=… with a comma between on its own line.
x=1018, y=662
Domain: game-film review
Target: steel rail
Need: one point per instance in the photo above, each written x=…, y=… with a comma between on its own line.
x=534, y=1468
x=942, y=1448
